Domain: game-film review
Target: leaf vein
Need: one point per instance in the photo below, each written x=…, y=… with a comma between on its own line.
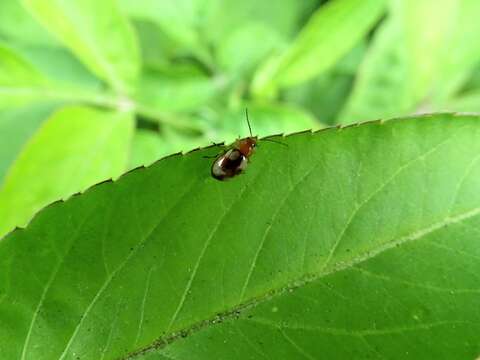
x=202, y=254
x=233, y=313
x=359, y=333
x=269, y=227
x=117, y=270
x=295, y=345
x=142, y=310
x=47, y=286
x=375, y=192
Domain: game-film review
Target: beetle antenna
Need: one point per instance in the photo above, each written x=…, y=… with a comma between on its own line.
x=275, y=141
x=248, y=122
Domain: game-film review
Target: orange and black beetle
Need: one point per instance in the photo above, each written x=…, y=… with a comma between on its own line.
x=235, y=160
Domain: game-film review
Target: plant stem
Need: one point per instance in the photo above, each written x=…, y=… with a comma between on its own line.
x=107, y=100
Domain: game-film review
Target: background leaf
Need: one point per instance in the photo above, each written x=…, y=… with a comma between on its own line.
x=16, y=127
x=157, y=49
x=177, y=19
x=466, y=103
x=75, y=148
x=22, y=83
x=19, y=80
x=317, y=47
x=86, y=27
x=176, y=89
x=238, y=54
x=59, y=65
x=162, y=259
x=410, y=66
x=223, y=17
x=265, y=119
x=326, y=95
x=147, y=147
x=16, y=24
x=383, y=82
x=462, y=54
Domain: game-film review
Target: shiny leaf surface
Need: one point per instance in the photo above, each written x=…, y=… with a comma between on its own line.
x=359, y=242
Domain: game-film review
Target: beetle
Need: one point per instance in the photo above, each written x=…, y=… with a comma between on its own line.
x=233, y=161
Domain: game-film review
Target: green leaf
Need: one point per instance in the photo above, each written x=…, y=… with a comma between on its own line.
x=17, y=24
x=383, y=84
x=325, y=95
x=462, y=51
x=75, y=148
x=176, y=18
x=200, y=25
x=224, y=17
x=176, y=89
x=416, y=60
x=146, y=148
x=156, y=47
x=251, y=52
x=16, y=127
x=265, y=119
x=427, y=48
x=331, y=32
x=473, y=82
x=149, y=146
x=21, y=83
x=349, y=243
x=97, y=33
x=15, y=71
x=469, y=102
x=59, y=65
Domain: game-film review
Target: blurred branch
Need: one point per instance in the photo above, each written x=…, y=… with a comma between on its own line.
x=106, y=100
x=165, y=118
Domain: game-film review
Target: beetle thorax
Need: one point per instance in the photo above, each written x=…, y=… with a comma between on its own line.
x=246, y=146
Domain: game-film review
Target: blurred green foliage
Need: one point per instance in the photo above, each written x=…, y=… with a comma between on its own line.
x=179, y=74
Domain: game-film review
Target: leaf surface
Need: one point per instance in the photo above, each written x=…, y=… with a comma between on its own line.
x=18, y=25
x=16, y=127
x=349, y=243
x=265, y=118
x=183, y=90
x=18, y=78
x=22, y=83
x=98, y=33
x=75, y=148
x=176, y=18
x=416, y=61
x=331, y=32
